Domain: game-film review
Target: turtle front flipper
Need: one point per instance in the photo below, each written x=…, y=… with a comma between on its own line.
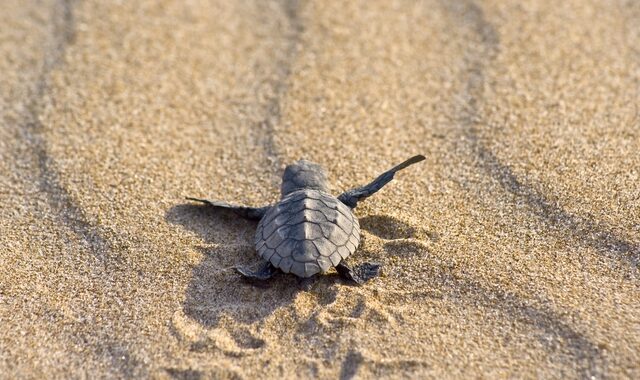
x=264, y=272
x=351, y=197
x=251, y=213
x=360, y=273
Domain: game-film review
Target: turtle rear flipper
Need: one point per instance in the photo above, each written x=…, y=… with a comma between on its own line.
x=251, y=213
x=264, y=272
x=360, y=273
x=351, y=197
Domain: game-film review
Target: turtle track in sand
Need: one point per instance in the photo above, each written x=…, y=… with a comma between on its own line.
x=69, y=212
x=61, y=203
x=586, y=232
x=264, y=132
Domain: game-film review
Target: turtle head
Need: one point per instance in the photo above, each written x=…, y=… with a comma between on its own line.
x=303, y=174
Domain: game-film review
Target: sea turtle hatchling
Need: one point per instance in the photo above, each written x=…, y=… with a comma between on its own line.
x=309, y=231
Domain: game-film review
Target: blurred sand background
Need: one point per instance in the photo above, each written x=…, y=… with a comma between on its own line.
x=512, y=251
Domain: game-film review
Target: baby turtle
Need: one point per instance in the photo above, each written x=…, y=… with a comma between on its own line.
x=309, y=230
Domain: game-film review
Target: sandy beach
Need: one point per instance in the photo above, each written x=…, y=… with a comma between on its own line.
x=512, y=251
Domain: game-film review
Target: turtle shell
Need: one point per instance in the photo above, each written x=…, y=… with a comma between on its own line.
x=307, y=232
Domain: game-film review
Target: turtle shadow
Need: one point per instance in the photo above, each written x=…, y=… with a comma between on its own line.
x=216, y=290
x=391, y=228
x=387, y=227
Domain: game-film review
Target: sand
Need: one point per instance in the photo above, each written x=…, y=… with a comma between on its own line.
x=512, y=251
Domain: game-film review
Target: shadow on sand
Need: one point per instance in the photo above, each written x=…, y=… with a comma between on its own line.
x=387, y=227
x=217, y=289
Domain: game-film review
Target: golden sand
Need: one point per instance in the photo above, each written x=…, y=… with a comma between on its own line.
x=512, y=251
